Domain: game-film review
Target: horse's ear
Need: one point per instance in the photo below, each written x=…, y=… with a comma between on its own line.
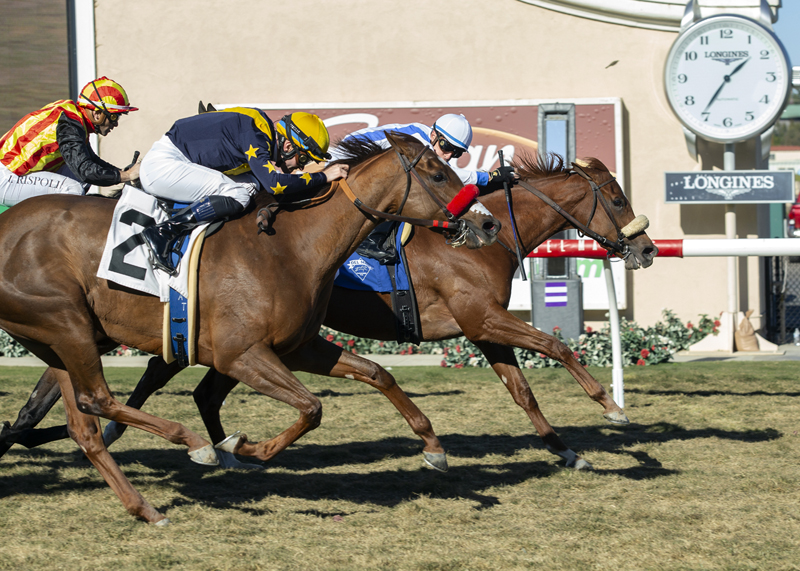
x=207, y=109
x=578, y=165
x=396, y=142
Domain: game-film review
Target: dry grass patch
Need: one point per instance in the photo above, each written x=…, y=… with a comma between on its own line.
x=704, y=478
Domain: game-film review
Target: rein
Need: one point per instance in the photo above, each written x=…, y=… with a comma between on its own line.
x=619, y=246
x=266, y=214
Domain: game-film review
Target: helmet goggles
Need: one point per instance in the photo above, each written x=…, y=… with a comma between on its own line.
x=307, y=150
x=447, y=146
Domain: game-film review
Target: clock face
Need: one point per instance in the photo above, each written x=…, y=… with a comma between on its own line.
x=727, y=78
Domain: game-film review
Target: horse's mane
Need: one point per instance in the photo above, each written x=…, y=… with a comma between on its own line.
x=543, y=165
x=354, y=150
x=539, y=165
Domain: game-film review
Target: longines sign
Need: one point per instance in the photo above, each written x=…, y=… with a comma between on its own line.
x=729, y=187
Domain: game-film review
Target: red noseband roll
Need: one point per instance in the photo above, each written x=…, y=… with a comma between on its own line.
x=463, y=199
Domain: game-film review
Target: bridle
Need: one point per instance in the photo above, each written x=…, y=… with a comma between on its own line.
x=619, y=248
x=452, y=224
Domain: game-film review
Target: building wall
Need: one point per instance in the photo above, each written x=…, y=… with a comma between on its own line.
x=169, y=55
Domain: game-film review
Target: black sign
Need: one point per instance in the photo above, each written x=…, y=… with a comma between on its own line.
x=729, y=187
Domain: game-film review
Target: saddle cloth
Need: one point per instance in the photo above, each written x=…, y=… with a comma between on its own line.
x=365, y=274
x=125, y=258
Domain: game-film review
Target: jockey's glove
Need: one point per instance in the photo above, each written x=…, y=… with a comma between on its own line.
x=503, y=175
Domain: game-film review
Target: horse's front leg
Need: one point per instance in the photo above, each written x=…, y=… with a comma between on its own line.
x=262, y=370
x=499, y=326
x=507, y=368
x=42, y=399
x=324, y=358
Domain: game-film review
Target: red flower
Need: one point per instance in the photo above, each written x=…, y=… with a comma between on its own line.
x=556, y=328
x=542, y=356
x=576, y=354
x=351, y=343
x=459, y=366
x=380, y=343
x=588, y=330
x=339, y=343
x=458, y=348
x=644, y=353
x=329, y=337
x=444, y=363
x=717, y=323
x=471, y=355
x=641, y=362
x=689, y=325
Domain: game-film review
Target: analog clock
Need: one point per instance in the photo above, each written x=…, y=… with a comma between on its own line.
x=727, y=78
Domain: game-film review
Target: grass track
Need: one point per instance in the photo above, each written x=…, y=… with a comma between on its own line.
x=706, y=477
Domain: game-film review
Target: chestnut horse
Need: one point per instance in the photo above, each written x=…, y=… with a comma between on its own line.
x=260, y=298
x=468, y=298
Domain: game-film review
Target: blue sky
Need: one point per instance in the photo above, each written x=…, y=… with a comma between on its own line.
x=788, y=29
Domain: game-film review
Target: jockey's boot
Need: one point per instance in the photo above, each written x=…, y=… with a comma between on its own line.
x=163, y=239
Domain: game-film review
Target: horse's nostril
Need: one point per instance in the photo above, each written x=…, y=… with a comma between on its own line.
x=491, y=228
x=650, y=252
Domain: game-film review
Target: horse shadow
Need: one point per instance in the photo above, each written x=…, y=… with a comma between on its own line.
x=295, y=473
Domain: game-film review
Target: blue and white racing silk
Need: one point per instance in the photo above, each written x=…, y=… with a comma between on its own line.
x=423, y=134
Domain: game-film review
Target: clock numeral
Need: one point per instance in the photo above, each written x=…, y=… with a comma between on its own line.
x=749, y=116
x=727, y=121
x=705, y=115
x=764, y=54
x=690, y=56
x=682, y=78
x=689, y=100
x=703, y=40
x=749, y=39
x=771, y=76
x=764, y=99
x=726, y=34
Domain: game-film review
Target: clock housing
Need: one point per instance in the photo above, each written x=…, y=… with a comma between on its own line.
x=727, y=78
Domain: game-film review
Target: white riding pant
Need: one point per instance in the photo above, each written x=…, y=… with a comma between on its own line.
x=15, y=189
x=167, y=173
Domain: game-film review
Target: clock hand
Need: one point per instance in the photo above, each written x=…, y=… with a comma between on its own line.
x=726, y=79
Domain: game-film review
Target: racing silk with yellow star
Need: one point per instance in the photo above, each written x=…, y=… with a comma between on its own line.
x=238, y=141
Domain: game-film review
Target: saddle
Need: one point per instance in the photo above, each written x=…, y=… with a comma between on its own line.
x=383, y=246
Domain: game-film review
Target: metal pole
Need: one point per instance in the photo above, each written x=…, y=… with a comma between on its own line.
x=729, y=164
x=617, y=383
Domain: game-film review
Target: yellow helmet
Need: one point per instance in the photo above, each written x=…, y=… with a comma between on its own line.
x=308, y=133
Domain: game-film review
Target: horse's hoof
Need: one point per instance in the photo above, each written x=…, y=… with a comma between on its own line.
x=162, y=523
x=229, y=444
x=580, y=464
x=228, y=460
x=617, y=417
x=204, y=456
x=112, y=433
x=436, y=461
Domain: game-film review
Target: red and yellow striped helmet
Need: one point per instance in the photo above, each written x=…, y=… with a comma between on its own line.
x=105, y=94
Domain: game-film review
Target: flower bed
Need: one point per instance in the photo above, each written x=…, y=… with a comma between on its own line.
x=640, y=345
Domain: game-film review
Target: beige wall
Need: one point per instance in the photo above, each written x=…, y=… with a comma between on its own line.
x=168, y=55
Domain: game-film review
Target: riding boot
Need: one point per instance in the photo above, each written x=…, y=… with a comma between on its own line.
x=163, y=239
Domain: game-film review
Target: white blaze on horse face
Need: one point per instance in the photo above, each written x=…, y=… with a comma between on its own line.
x=479, y=208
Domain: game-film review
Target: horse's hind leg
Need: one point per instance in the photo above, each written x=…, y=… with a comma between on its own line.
x=42, y=399
x=324, y=358
x=85, y=430
x=155, y=377
x=507, y=368
x=261, y=369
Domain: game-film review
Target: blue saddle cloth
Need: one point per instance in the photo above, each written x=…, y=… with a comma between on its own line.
x=366, y=274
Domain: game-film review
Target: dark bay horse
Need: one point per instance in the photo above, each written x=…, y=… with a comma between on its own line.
x=261, y=298
x=459, y=292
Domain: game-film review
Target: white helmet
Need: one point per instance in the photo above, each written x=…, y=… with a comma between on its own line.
x=456, y=129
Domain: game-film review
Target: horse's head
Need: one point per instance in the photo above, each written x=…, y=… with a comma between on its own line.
x=612, y=217
x=433, y=190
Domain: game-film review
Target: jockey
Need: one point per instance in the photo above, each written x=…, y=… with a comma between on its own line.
x=449, y=137
x=48, y=152
x=218, y=160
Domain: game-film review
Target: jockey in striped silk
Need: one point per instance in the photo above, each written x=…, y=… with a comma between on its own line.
x=48, y=151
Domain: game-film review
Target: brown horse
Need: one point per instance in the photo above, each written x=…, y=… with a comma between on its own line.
x=261, y=298
x=458, y=292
